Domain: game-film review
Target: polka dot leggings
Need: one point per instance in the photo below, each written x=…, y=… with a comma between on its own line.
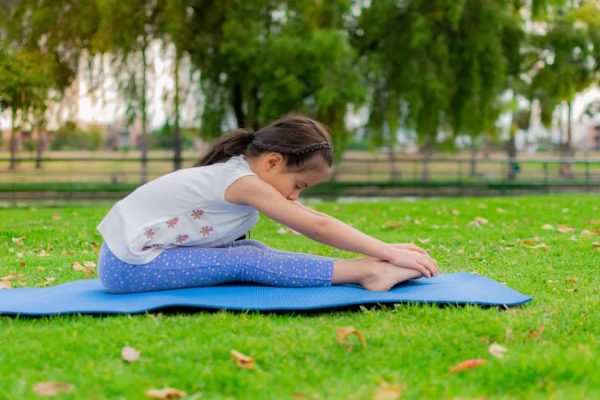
x=241, y=261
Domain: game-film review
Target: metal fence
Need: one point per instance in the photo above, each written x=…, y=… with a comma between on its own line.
x=128, y=170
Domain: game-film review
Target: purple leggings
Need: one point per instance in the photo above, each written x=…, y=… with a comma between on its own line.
x=241, y=261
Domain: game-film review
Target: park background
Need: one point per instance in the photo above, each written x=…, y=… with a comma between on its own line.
x=422, y=97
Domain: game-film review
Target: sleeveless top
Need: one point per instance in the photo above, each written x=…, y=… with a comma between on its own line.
x=183, y=208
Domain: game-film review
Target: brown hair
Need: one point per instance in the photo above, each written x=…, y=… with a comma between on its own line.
x=297, y=137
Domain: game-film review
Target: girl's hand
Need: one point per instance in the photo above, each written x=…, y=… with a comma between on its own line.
x=407, y=258
x=410, y=246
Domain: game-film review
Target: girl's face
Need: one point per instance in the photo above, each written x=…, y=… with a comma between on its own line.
x=271, y=168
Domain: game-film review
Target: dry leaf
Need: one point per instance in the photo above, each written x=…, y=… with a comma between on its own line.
x=571, y=279
x=497, y=350
x=478, y=221
x=427, y=240
x=587, y=233
x=42, y=253
x=242, y=360
x=392, y=225
x=344, y=332
x=548, y=227
x=387, y=391
x=596, y=245
x=166, y=393
x=286, y=230
x=536, y=333
x=52, y=388
x=12, y=277
x=508, y=334
x=18, y=241
x=130, y=354
x=565, y=229
x=56, y=216
x=532, y=244
x=468, y=364
x=500, y=210
x=87, y=268
x=50, y=279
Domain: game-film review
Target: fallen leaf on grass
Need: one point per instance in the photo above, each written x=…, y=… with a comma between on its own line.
x=500, y=210
x=465, y=365
x=548, y=227
x=18, y=241
x=56, y=216
x=392, y=225
x=52, y=388
x=242, y=360
x=571, y=279
x=130, y=354
x=565, y=229
x=344, y=332
x=48, y=280
x=387, y=391
x=87, y=268
x=478, y=221
x=166, y=393
x=12, y=277
x=497, y=350
x=285, y=230
x=536, y=333
x=589, y=233
x=532, y=244
x=596, y=245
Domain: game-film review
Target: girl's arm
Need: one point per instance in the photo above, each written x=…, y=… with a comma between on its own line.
x=252, y=191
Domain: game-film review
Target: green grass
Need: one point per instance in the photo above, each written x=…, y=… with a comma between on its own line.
x=413, y=345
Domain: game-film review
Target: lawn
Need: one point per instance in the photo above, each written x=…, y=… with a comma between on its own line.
x=552, y=343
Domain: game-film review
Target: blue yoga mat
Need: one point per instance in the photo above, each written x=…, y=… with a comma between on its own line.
x=89, y=297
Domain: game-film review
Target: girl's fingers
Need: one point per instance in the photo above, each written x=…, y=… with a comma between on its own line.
x=412, y=247
x=429, y=264
x=422, y=269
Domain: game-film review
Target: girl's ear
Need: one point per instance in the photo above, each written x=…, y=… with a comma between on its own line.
x=274, y=160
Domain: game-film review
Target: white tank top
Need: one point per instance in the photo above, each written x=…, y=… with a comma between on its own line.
x=183, y=208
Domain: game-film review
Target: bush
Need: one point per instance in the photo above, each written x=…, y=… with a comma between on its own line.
x=71, y=137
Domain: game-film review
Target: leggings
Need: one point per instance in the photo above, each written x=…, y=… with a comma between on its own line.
x=242, y=261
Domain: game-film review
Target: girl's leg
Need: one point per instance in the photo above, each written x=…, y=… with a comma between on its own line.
x=196, y=266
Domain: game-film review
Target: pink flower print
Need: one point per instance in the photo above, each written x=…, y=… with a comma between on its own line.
x=172, y=222
x=197, y=214
x=149, y=233
x=181, y=238
x=206, y=230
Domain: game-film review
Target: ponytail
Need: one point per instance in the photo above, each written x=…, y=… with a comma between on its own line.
x=230, y=144
x=298, y=137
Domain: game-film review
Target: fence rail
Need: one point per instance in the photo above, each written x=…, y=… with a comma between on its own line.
x=112, y=171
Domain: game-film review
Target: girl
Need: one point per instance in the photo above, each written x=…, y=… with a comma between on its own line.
x=180, y=229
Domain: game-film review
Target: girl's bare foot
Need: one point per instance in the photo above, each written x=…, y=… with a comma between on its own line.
x=372, y=274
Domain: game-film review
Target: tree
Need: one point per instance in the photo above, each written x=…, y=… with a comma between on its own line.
x=24, y=87
x=265, y=58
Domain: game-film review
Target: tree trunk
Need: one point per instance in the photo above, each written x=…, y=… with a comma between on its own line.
x=511, y=150
x=473, y=169
x=394, y=173
x=144, y=138
x=566, y=148
x=238, y=101
x=426, y=151
x=13, y=139
x=176, y=130
x=39, y=148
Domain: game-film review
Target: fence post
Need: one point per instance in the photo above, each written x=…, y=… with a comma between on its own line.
x=587, y=175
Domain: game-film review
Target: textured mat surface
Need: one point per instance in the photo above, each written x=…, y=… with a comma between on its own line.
x=89, y=297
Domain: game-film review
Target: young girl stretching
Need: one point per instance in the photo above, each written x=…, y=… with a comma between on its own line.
x=187, y=228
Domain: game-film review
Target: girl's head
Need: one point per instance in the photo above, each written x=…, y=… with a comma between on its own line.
x=291, y=153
